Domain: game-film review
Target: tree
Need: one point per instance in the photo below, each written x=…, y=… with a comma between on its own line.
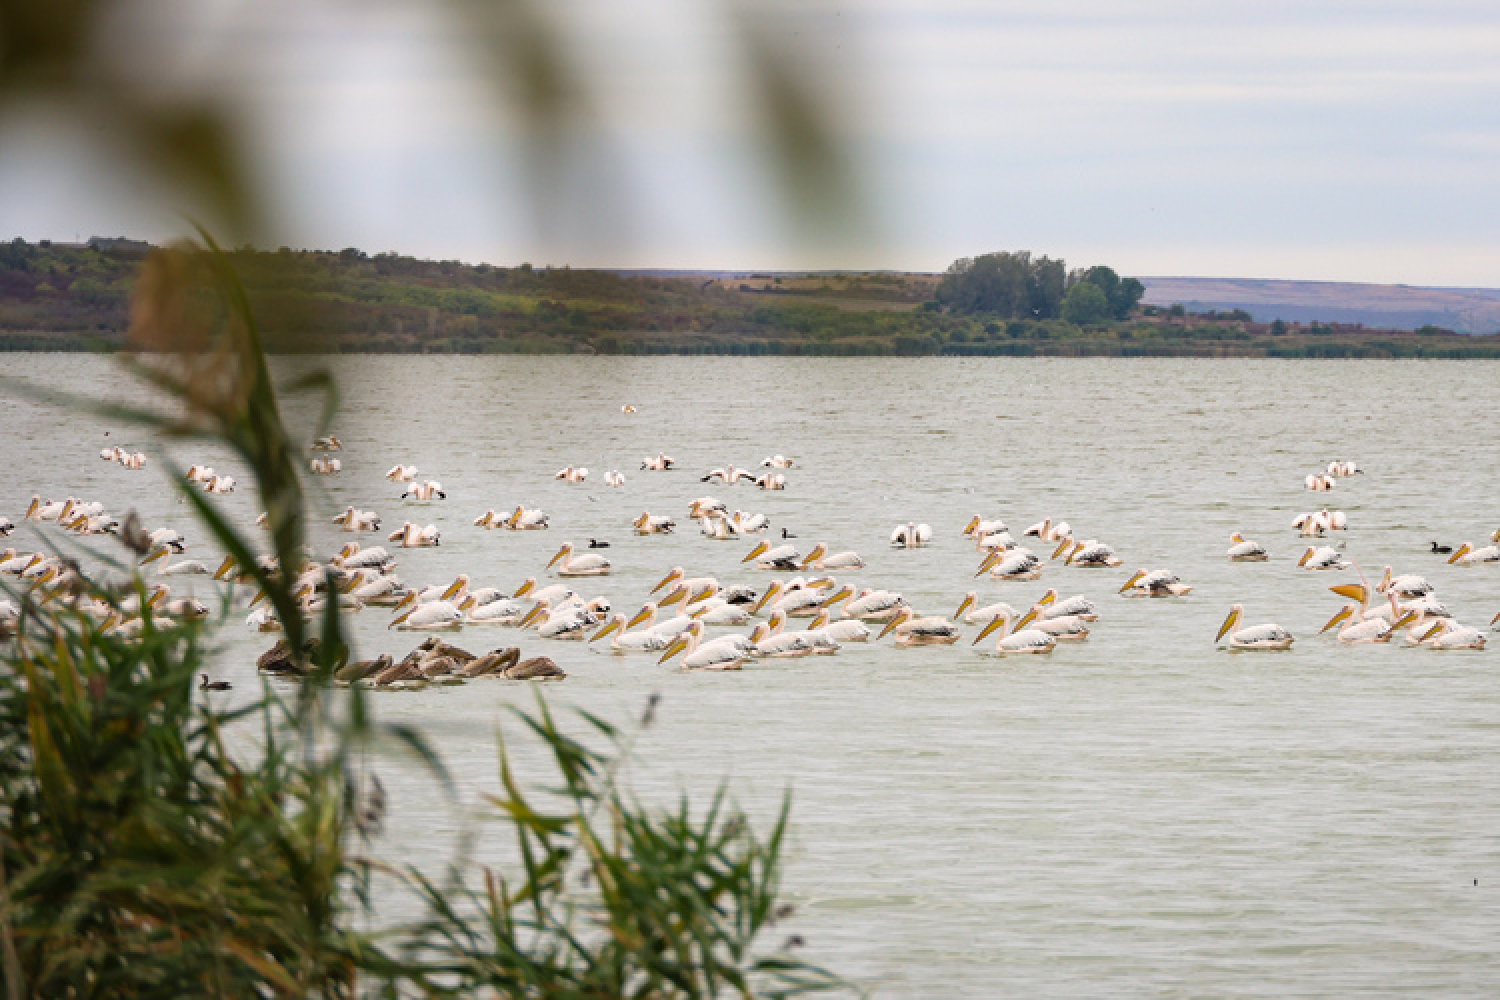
x=1123, y=295
x=1085, y=303
x=1006, y=284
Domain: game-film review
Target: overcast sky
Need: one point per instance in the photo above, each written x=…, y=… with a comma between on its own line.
x=1275, y=139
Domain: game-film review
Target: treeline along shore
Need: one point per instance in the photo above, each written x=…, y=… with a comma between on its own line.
x=76, y=297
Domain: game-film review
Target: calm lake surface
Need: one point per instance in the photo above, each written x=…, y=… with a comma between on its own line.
x=1140, y=814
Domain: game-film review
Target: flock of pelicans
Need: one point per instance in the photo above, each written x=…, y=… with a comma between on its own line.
x=795, y=607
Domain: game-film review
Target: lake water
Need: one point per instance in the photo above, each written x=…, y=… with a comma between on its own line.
x=1140, y=814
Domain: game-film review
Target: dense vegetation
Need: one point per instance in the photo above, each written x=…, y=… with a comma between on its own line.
x=55, y=297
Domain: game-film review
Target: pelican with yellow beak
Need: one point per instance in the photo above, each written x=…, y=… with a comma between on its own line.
x=587, y=564
x=1267, y=636
x=820, y=559
x=431, y=616
x=641, y=641
x=695, y=588
x=1242, y=549
x=976, y=614
x=695, y=656
x=914, y=630
x=1155, y=583
x=782, y=557
x=1360, y=629
x=1464, y=555
x=1014, y=564
x=1021, y=640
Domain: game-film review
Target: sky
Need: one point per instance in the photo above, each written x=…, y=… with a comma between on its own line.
x=1306, y=140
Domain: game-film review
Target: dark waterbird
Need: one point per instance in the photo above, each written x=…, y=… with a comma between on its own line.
x=208, y=685
x=1441, y=548
x=595, y=543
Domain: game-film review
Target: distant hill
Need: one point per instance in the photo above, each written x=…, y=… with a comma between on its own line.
x=1397, y=307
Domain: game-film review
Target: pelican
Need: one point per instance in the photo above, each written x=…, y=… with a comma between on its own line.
x=843, y=630
x=505, y=611
x=1365, y=629
x=1318, y=484
x=325, y=466
x=428, y=489
x=750, y=524
x=1021, y=640
x=587, y=564
x=433, y=615
x=199, y=473
x=728, y=474
x=1048, y=532
x=912, y=630
x=352, y=556
x=1155, y=583
x=765, y=641
x=995, y=541
x=693, y=588
x=1323, y=557
x=410, y=536
x=653, y=524
x=100, y=524
x=527, y=519
x=1016, y=564
x=6, y=526
x=911, y=535
x=183, y=567
x=219, y=484
x=1062, y=628
x=571, y=474
x=456, y=590
x=717, y=611
x=1448, y=634
x=770, y=481
x=555, y=593
x=614, y=477
x=1089, y=553
x=15, y=563
x=1464, y=555
x=1338, y=468
x=719, y=528
x=380, y=590
x=657, y=463
x=777, y=461
x=358, y=520
x=978, y=526
x=819, y=559
x=1243, y=550
x=402, y=473
x=782, y=557
x=328, y=443
x=1407, y=585
x=263, y=620
x=874, y=605
x=627, y=408
x=707, y=507
x=695, y=656
x=1386, y=610
x=668, y=628
x=977, y=614
x=133, y=460
x=641, y=641
x=1266, y=636
x=49, y=510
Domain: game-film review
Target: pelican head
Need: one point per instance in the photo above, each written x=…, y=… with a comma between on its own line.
x=989, y=562
x=898, y=619
x=673, y=576
x=1345, y=613
x=818, y=552
x=1132, y=581
x=842, y=593
x=1306, y=556
x=973, y=525
x=526, y=587
x=647, y=612
x=1066, y=544
x=458, y=586
x=772, y=593
x=970, y=599
x=615, y=624
x=1000, y=621
x=677, y=593
x=1235, y=614
x=760, y=549
x=1459, y=553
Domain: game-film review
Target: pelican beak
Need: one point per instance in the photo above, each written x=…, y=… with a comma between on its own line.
x=973, y=525
x=35, y=503
x=224, y=568
x=988, y=563
x=842, y=594
x=530, y=617
x=399, y=619
x=158, y=554
x=818, y=552
x=755, y=553
x=260, y=595
x=701, y=595
x=1062, y=547
x=677, y=645
x=1305, y=557
x=1026, y=620
x=1459, y=553
x=1229, y=623
x=1385, y=582
x=988, y=630
x=524, y=589
x=890, y=626
x=560, y=553
x=674, y=595
x=1341, y=616
x=968, y=602
x=468, y=602
x=671, y=577
x=1412, y=616
x=1432, y=631
x=609, y=627
x=1131, y=582
x=454, y=589
x=640, y=616
x=1353, y=591
x=771, y=592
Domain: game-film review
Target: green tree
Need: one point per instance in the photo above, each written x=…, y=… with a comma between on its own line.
x=1085, y=303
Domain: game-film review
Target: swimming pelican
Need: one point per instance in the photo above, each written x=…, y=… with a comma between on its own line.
x=641, y=641
x=776, y=461
x=694, y=588
x=566, y=621
x=329, y=443
x=874, y=605
x=1048, y=532
x=614, y=477
x=353, y=556
x=1338, y=468
x=653, y=524
x=380, y=590
x=696, y=656
x=782, y=557
x=49, y=510
x=1467, y=556
x=911, y=535
x=410, y=536
x=978, y=526
x=843, y=630
x=571, y=474
x=6, y=526
x=325, y=466
x=1386, y=610
x=402, y=473
x=445, y=591
x=646, y=617
x=914, y=630
x=429, y=489
x=1155, y=583
x=219, y=484
x=1243, y=550
x=1089, y=553
x=1021, y=640
x=100, y=524
x=657, y=463
x=184, y=567
x=707, y=507
x=1063, y=628
x=1015, y=564
x=976, y=614
x=770, y=481
x=358, y=520
x=527, y=519
x=587, y=564
x=819, y=559
x=199, y=473
x=1319, y=484
x=1448, y=634
x=717, y=611
x=627, y=408
x=995, y=541
x=1362, y=629
x=767, y=642
x=719, y=528
x=1323, y=557
x=505, y=611
x=1406, y=585
x=750, y=524
x=729, y=474
x=1268, y=636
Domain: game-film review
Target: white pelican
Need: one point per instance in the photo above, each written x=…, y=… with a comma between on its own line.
x=454, y=591
x=653, y=524
x=328, y=443
x=1089, y=553
x=567, y=621
x=183, y=567
x=995, y=541
x=1155, y=583
x=719, y=528
x=750, y=524
x=1015, y=564
x=6, y=526
x=976, y=614
x=380, y=590
x=819, y=559
x=1362, y=629
x=428, y=489
x=729, y=474
x=770, y=481
x=843, y=630
x=15, y=563
x=717, y=611
x=358, y=520
x=588, y=564
x=527, y=519
x=402, y=473
x=1049, y=532
x=1338, y=468
x=263, y=620
x=1242, y=549
x=1022, y=640
x=694, y=588
x=614, y=477
x=1322, y=557
x=1268, y=636
x=782, y=557
x=978, y=526
x=707, y=507
x=669, y=627
x=641, y=641
x=657, y=463
x=411, y=536
x=353, y=556
x=219, y=484
x=627, y=408
x=1406, y=585
x=912, y=630
x=801, y=602
x=695, y=656
x=874, y=605
x=1385, y=610
x=1448, y=634
x=1464, y=555
x=571, y=474
x=325, y=466
x=49, y=510
x=1063, y=628
x=555, y=593
x=100, y=524
x=505, y=611
x=1318, y=484
x=911, y=535
x=199, y=473
x=766, y=642
x=133, y=460
x=776, y=461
